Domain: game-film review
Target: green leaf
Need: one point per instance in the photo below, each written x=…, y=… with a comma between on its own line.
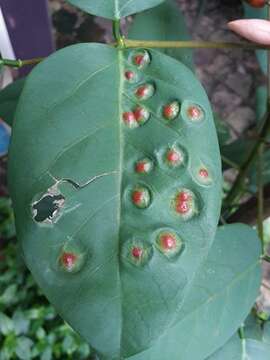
x=255, y=346
x=23, y=348
x=222, y=293
x=123, y=249
x=7, y=224
x=9, y=98
x=21, y=322
x=257, y=350
x=47, y=354
x=252, y=328
x=237, y=349
x=166, y=23
x=8, y=295
x=114, y=9
x=256, y=329
x=6, y=324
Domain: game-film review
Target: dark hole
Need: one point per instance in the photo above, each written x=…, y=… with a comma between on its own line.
x=47, y=206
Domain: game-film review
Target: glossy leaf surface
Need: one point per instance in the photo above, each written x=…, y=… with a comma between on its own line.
x=222, y=294
x=165, y=23
x=115, y=254
x=114, y=9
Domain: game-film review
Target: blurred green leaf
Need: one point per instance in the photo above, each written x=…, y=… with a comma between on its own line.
x=41, y=333
x=6, y=324
x=47, y=354
x=23, y=348
x=8, y=296
x=21, y=322
x=29, y=314
x=7, y=224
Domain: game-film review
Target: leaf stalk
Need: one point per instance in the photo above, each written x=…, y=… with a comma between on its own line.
x=193, y=44
x=20, y=63
x=117, y=34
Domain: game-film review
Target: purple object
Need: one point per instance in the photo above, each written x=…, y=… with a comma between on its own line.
x=29, y=28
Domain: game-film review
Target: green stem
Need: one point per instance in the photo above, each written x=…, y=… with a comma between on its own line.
x=117, y=34
x=20, y=63
x=260, y=194
x=192, y=44
x=229, y=162
x=241, y=332
x=266, y=258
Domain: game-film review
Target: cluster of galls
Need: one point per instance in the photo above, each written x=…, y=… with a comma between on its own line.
x=140, y=115
x=184, y=202
x=139, y=252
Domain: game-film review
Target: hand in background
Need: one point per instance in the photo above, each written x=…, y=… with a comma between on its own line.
x=254, y=30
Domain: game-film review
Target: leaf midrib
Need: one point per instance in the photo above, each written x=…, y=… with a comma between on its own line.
x=121, y=147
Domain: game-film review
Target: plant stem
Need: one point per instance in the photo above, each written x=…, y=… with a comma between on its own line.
x=192, y=44
x=266, y=258
x=118, y=34
x=20, y=63
x=260, y=194
x=241, y=332
x=229, y=162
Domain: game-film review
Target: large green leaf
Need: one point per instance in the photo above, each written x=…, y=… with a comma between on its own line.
x=115, y=255
x=9, y=98
x=223, y=291
x=167, y=23
x=114, y=9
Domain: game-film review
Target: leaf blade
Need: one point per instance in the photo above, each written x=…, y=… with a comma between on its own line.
x=202, y=329
x=114, y=9
x=77, y=133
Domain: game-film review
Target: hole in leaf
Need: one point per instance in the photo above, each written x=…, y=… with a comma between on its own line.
x=47, y=207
